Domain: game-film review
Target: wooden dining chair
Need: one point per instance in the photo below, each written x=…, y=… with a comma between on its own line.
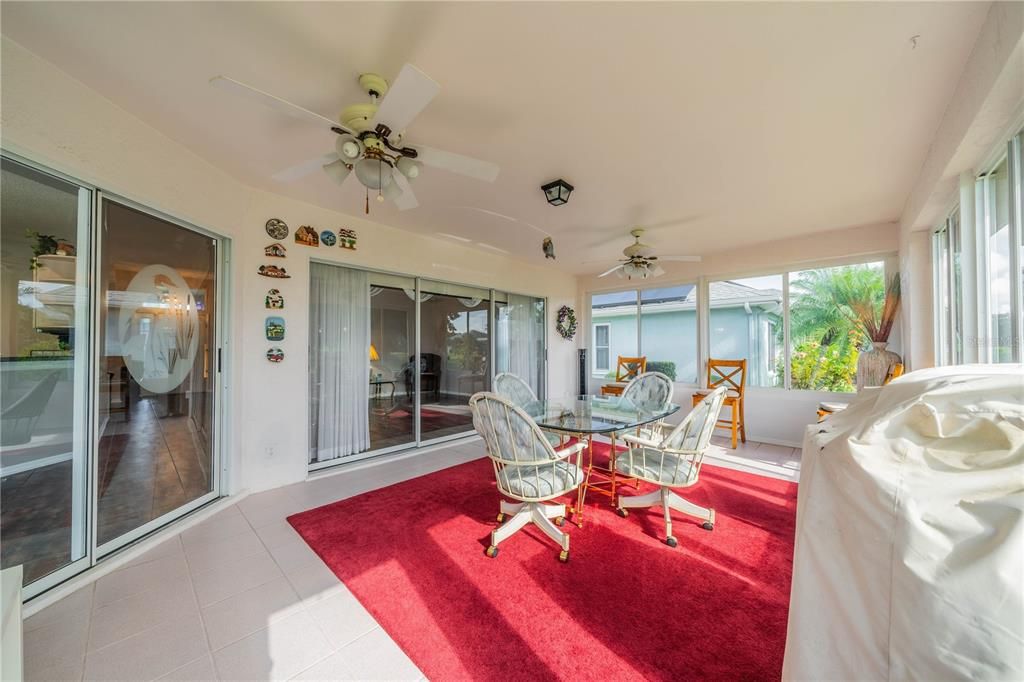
x=732, y=374
x=626, y=369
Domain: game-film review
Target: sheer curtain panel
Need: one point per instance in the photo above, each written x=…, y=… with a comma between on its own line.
x=526, y=331
x=339, y=362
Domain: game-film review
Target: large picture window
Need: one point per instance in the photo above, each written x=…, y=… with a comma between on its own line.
x=745, y=320
x=659, y=324
x=668, y=331
x=997, y=263
x=826, y=336
x=947, y=249
x=978, y=268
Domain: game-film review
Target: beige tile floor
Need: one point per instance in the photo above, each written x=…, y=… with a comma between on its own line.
x=242, y=597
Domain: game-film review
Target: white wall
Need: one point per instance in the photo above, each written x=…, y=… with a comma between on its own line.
x=54, y=120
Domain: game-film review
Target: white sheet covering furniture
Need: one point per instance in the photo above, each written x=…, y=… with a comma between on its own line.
x=909, y=557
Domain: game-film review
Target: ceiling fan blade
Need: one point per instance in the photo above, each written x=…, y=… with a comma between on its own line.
x=271, y=101
x=301, y=170
x=457, y=163
x=617, y=267
x=681, y=259
x=407, y=97
x=407, y=199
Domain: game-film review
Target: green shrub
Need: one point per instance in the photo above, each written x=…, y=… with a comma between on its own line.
x=666, y=367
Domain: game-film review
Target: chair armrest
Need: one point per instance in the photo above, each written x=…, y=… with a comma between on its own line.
x=578, y=446
x=641, y=441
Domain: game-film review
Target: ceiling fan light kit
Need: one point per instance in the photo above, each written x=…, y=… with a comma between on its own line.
x=640, y=261
x=557, y=192
x=337, y=170
x=370, y=137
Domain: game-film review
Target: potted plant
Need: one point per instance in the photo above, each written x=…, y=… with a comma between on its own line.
x=877, y=320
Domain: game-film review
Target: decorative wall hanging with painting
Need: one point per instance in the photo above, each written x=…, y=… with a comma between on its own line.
x=273, y=271
x=566, y=325
x=274, y=327
x=277, y=229
x=328, y=238
x=307, y=236
x=275, y=354
x=274, y=300
x=347, y=239
x=275, y=250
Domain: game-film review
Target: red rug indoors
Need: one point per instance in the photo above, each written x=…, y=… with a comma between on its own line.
x=626, y=606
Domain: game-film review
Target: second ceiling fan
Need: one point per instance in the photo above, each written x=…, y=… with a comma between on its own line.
x=370, y=137
x=640, y=261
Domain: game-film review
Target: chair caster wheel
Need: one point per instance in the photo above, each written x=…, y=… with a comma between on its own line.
x=563, y=556
x=671, y=541
x=622, y=512
x=707, y=525
x=501, y=517
x=491, y=551
x=559, y=521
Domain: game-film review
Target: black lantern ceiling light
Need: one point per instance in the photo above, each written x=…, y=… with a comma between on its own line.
x=557, y=192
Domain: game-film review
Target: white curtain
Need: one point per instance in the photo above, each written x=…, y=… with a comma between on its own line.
x=339, y=362
x=526, y=332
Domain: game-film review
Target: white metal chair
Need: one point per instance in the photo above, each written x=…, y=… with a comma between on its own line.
x=521, y=394
x=527, y=468
x=514, y=388
x=650, y=390
x=672, y=462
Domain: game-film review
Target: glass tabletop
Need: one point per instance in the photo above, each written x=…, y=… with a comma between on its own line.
x=596, y=413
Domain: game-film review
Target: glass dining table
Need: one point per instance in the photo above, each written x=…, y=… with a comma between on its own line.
x=585, y=416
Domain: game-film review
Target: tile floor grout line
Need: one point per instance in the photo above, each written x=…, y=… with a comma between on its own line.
x=199, y=611
x=88, y=631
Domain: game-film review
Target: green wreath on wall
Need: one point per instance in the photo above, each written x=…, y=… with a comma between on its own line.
x=566, y=325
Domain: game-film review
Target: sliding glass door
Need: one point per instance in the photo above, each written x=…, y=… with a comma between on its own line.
x=108, y=371
x=44, y=359
x=394, y=359
x=519, y=339
x=392, y=399
x=454, y=356
x=156, y=374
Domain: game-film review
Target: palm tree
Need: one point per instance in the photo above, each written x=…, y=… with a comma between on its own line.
x=824, y=304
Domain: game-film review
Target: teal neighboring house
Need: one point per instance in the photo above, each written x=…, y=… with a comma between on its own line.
x=744, y=322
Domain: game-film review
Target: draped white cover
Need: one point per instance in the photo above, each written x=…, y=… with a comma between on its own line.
x=526, y=340
x=909, y=557
x=339, y=361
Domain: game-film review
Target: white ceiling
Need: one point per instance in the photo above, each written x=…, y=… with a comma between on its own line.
x=715, y=124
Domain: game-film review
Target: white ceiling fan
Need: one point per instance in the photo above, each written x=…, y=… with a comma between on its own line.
x=640, y=261
x=370, y=137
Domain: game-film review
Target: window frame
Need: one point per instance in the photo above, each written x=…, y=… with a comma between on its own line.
x=946, y=245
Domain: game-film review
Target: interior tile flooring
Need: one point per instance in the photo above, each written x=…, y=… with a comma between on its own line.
x=240, y=596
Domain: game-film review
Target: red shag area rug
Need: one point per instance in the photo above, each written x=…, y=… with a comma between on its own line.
x=625, y=606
